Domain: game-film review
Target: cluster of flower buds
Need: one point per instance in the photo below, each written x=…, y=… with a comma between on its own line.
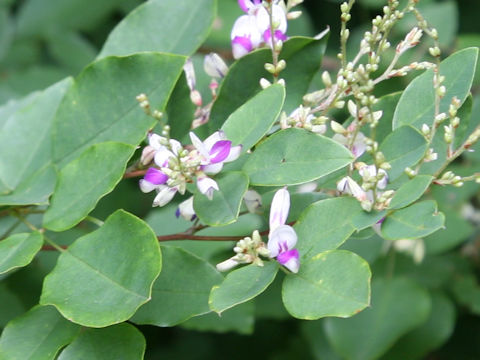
x=411, y=40
x=449, y=178
x=175, y=166
x=248, y=251
x=302, y=117
x=368, y=194
x=350, y=137
x=255, y=29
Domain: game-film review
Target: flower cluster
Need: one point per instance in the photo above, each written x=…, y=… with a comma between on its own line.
x=254, y=29
x=281, y=240
x=368, y=194
x=302, y=117
x=176, y=166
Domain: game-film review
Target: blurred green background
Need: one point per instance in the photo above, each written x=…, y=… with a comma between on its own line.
x=43, y=41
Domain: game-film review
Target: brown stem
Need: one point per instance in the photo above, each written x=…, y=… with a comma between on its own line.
x=185, y=236
x=132, y=174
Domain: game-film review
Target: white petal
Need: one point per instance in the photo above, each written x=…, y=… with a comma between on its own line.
x=282, y=239
x=155, y=141
x=246, y=25
x=279, y=17
x=176, y=146
x=382, y=184
x=212, y=139
x=164, y=196
x=253, y=201
x=146, y=186
x=199, y=145
x=213, y=169
x=206, y=186
x=214, y=65
x=227, y=265
x=189, y=74
x=340, y=139
x=235, y=152
x=162, y=156
x=186, y=209
x=279, y=208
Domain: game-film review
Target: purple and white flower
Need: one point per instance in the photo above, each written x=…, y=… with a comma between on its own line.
x=358, y=147
x=371, y=171
x=282, y=238
x=207, y=186
x=215, y=151
x=152, y=180
x=251, y=30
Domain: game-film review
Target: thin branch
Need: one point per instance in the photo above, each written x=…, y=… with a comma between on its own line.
x=132, y=174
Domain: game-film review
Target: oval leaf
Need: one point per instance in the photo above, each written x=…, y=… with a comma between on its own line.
x=332, y=283
x=242, y=285
x=37, y=334
x=326, y=224
x=122, y=341
x=417, y=104
x=19, y=250
x=176, y=294
x=250, y=122
x=170, y=26
x=224, y=207
x=295, y=156
x=104, y=277
x=413, y=222
x=368, y=335
x=84, y=181
x=410, y=191
x=103, y=98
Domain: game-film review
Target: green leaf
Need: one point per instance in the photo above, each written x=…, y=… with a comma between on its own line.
x=295, y=156
x=429, y=336
x=118, y=342
x=70, y=49
x=251, y=121
x=19, y=250
x=105, y=276
x=413, y=222
x=239, y=319
x=369, y=334
x=332, y=283
x=84, y=181
x=176, y=294
x=303, y=56
x=410, y=191
x=466, y=291
x=38, y=334
x=10, y=305
x=326, y=224
x=417, y=104
x=25, y=136
x=170, y=26
x=35, y=190
x=180, y=109
x=242, y=285
x=101, y=105
x=224, y=207
x=404, y=147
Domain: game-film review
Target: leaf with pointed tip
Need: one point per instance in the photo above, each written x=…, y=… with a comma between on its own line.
x=332, y=283
x=242, y=285
x=224, y=207
x=38, y=334
x=84, y=181
x=417, y=104
x=19, y=250
x=295, y=156
x=169, y=26
x=251, y=121
x=413, y=222
x=122, y=341
x=105, y=276
x=176, y=294
x=101, y=105
x=367, y=335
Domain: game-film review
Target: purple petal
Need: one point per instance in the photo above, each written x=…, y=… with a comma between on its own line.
x=245, y=5
x=155, y=176
x=177, y=213
x=282, y=239
x=220, y=151
x=243, y=41
x=278, y=34
x=290, y=259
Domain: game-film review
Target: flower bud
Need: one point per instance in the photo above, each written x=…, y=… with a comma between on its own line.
x=264, y=83
x=337, y=128
x=214, y=65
